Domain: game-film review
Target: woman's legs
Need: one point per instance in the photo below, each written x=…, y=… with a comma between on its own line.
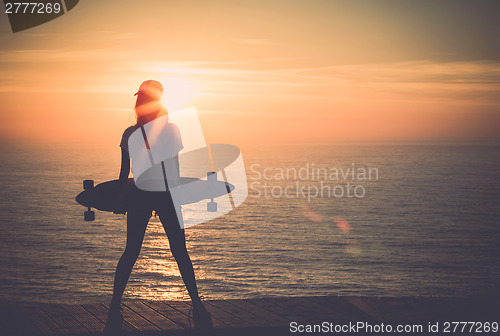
x=177, y=241
x=201, y=317
x=137, y=221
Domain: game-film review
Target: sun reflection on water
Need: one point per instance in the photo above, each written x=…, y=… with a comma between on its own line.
x=158, y=265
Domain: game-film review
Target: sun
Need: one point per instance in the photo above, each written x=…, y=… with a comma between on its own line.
x=179, y=92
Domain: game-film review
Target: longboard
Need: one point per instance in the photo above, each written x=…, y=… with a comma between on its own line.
x=104, y=196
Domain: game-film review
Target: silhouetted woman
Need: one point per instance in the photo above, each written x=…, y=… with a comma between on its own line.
x=148, y=107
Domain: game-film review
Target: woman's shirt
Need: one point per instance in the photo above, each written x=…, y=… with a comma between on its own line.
x=152, y=167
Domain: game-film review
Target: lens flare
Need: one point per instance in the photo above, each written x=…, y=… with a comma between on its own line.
x=342, y=224
x=310, y=213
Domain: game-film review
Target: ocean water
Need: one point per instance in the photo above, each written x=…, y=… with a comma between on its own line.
x=426, y=224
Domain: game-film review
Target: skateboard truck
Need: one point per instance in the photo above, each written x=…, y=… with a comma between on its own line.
x=88, y=215
x=211, y=179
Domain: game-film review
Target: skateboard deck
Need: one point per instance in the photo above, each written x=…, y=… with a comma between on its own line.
x=104, y=196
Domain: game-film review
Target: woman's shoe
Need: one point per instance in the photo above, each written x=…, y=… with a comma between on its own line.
x=115, y=320
x=201, y=317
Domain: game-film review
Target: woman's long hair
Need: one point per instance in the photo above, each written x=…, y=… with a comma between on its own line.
x=148, y=108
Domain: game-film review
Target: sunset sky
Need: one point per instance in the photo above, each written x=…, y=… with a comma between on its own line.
x=259, y=71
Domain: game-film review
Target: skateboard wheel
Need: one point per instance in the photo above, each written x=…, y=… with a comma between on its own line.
x=212, y=206
x=89, y=216
x=88, y=184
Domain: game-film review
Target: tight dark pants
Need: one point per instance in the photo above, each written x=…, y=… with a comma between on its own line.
x=137, y=221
